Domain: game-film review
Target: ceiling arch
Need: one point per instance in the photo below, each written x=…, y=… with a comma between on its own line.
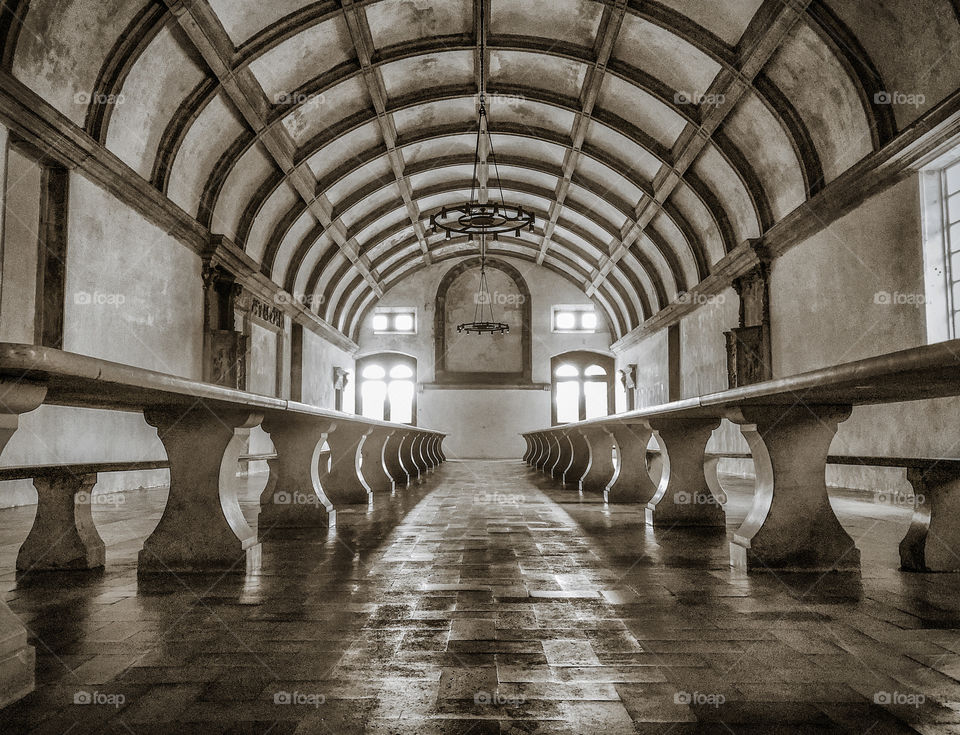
x=653, y=136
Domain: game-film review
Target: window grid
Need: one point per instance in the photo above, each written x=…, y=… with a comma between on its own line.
x=950, y=187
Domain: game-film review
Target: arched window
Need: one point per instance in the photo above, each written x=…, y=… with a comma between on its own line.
x=582, y=386
x=387, y=387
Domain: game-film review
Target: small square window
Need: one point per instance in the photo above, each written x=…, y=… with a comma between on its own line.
x=390, y=320
x=575, y=318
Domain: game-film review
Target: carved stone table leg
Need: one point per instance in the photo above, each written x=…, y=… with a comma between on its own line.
x=425, y=452
x=17, y=660
x=683, y=497
x=202, y=528
x=553, y=455
x=373, y=467
x=406, y=457
x=63, y=534
x=601, y=471
x=711, y=467
x=391, y=459
x=294, y=495
x=528, y=441
x=581, y=459
x=428, y=442
x=932, y=542
x=543, y=454
x=440, y=454
x=791, y=525
x=633, y=483
x=564, y=458
x=345, y=485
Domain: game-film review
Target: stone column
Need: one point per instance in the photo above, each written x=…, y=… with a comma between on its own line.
x=564, y=458
x=202, y=528
x=294, y=495
x=683, y=497
x=601, y=471
x=633, y=483
x=791, y=525
x=344, y=484
x=63, y=534
x=581, y=459
x=373, y=467
x=17, y=660
x=391, y=458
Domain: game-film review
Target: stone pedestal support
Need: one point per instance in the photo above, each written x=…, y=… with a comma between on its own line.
x=564, y=458
x=407, y=458
x=683, y=497
x=63, y=535
x=202, y=528
x=294, y=496
x=791, y=525
x=392, y=460
x=17, y=658
x=601, y=471
x=632, y=483
x=932, y=541
x=528, y=451
x=543, y=451
x=553, y=453
x=344, y=484
x=581, y=459
x=373, y=467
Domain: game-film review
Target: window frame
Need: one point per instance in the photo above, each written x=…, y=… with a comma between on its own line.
x=391, y=313
x=582, y=359
x=388, y=361
x=578, y=310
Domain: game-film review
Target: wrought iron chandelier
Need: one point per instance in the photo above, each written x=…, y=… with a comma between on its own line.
x=484, y=321
x=474, y=217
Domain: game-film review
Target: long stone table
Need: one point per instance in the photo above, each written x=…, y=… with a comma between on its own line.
x=788, y=424
x=202, y=428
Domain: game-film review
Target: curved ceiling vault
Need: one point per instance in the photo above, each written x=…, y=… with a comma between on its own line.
x=649, y=137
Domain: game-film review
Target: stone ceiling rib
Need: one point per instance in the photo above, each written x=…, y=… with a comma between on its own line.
x=206, y=33
x=362, y=40
x=772, y=23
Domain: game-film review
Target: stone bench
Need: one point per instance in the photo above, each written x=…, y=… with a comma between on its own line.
x=788, y=424
x=203, y=428
x=64, y=536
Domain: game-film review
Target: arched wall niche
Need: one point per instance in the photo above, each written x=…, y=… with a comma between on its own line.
x=503, y=359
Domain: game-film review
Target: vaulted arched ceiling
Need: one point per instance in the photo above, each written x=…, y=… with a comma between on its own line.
x=650, y=138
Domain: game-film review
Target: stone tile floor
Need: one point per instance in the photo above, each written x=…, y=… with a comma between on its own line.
x=487, y=600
